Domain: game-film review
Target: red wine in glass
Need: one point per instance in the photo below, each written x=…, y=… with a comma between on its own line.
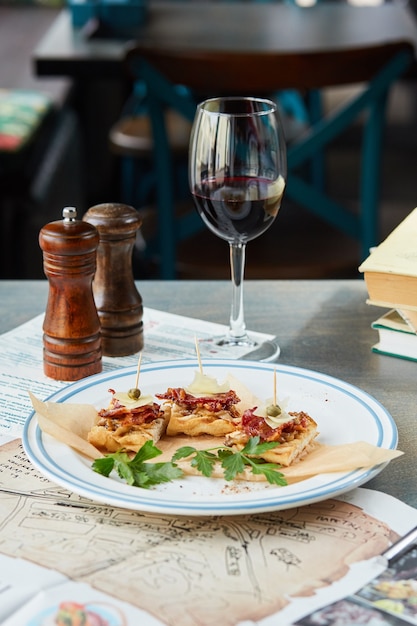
x=237, y=170
x=238, y=208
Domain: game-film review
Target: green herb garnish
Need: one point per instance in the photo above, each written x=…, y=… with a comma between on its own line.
x=234, y=463
x=139, y=473
x=136, y=471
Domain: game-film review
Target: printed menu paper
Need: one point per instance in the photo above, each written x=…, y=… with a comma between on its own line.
x=167, y=336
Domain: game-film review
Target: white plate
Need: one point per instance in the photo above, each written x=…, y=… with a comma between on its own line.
x=343, y=412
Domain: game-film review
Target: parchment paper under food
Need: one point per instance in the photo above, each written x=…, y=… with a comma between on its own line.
x=71, y=422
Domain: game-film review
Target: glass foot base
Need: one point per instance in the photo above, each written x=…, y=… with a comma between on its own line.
x=236, y=342
x=267, y=351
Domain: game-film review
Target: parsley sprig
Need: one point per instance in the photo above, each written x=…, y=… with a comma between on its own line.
x=139, y=473
x=234, y=463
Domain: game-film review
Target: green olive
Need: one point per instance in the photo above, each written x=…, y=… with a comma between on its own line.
x=273, y=410
x=134, y=393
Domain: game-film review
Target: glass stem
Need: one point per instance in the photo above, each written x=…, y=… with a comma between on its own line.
x=237, y=265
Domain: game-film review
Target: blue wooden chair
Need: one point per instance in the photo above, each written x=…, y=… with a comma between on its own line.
x=204, y=73
x=131, y=140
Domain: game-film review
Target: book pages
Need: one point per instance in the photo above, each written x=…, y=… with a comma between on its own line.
x=397, y=254
x=394, y=320
x=410, y=317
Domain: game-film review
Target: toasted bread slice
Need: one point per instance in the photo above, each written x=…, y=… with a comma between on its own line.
x=200, y=422
x=127, y=437
x=190, y=415
x=120, y=426
x=294, y=443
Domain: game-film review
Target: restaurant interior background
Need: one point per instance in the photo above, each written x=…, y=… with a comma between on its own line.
x=298, y=245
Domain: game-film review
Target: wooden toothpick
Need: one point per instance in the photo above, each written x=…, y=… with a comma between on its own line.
x=197, y=349
x=135, y=392
x=138, y=371
x=275, y=387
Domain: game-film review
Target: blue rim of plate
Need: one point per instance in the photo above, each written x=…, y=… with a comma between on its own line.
x=107, y=491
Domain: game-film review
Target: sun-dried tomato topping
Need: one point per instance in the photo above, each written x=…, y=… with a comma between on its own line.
x=255, y=425
x=218, y=402
x=124, y=415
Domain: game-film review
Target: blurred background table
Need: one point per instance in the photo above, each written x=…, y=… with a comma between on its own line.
x=95, y=61
x=321, y=325
x=203, y=25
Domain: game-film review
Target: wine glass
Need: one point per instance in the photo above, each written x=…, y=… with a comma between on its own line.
x=237, y=173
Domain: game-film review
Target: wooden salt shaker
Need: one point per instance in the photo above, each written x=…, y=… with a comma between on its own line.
x=118, y=302
x=71, y=340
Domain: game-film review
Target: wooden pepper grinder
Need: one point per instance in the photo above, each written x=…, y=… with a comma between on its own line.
x=118, y=302
x=71, y=340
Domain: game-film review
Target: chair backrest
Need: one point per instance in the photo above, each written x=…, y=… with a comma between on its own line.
x=231, y=72
x=207, y=73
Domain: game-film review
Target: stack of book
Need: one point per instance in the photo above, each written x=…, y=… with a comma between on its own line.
x=390, y=274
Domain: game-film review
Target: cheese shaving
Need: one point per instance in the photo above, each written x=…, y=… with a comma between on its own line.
x=204, y=385
x=124, y=398
x=278, y=420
